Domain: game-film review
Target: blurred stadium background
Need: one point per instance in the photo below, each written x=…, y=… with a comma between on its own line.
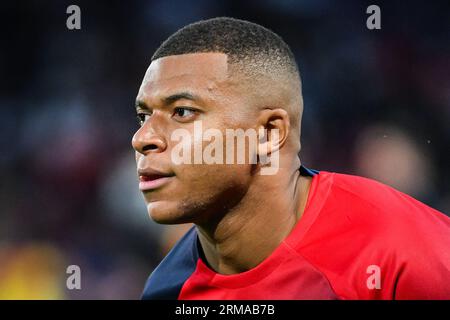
x=377, y=104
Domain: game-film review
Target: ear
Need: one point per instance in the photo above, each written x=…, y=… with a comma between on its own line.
x=275, y=125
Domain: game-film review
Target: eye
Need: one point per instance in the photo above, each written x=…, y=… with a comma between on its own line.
x=142, y=117
x=183, y=112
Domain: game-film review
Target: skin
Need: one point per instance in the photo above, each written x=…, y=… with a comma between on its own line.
x=241, y=215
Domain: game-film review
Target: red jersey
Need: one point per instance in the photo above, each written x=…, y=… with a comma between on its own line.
x=357, y=239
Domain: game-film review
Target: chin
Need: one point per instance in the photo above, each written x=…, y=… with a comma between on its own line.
x=167, y=212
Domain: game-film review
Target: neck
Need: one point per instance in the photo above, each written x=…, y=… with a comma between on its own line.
x=252, y=230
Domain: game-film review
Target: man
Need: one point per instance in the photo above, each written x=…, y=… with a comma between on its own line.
x=294, y=233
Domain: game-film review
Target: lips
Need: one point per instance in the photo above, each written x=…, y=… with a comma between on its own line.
x=150, y=179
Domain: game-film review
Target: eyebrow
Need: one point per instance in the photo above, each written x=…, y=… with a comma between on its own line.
x=170, y=99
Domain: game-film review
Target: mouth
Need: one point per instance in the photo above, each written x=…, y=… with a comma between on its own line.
x=152, y=179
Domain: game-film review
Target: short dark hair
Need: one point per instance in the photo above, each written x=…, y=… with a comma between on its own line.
x=244, y=42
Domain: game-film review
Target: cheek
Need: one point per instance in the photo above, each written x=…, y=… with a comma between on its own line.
x=212, y=187
x=205, y=180
x=137, y=156
x=197, y=192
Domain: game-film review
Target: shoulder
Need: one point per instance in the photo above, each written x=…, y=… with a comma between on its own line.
x=166, y=281
x=399, y=222
x=371, y=203
x=367, y=223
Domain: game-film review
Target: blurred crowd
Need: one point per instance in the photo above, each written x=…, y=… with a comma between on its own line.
x=377, y=104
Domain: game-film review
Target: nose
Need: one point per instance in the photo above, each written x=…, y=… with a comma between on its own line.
x=146, y=140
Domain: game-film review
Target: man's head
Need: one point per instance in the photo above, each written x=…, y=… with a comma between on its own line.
x=227, y=74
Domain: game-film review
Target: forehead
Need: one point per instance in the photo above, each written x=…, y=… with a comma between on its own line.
x=197, y=71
